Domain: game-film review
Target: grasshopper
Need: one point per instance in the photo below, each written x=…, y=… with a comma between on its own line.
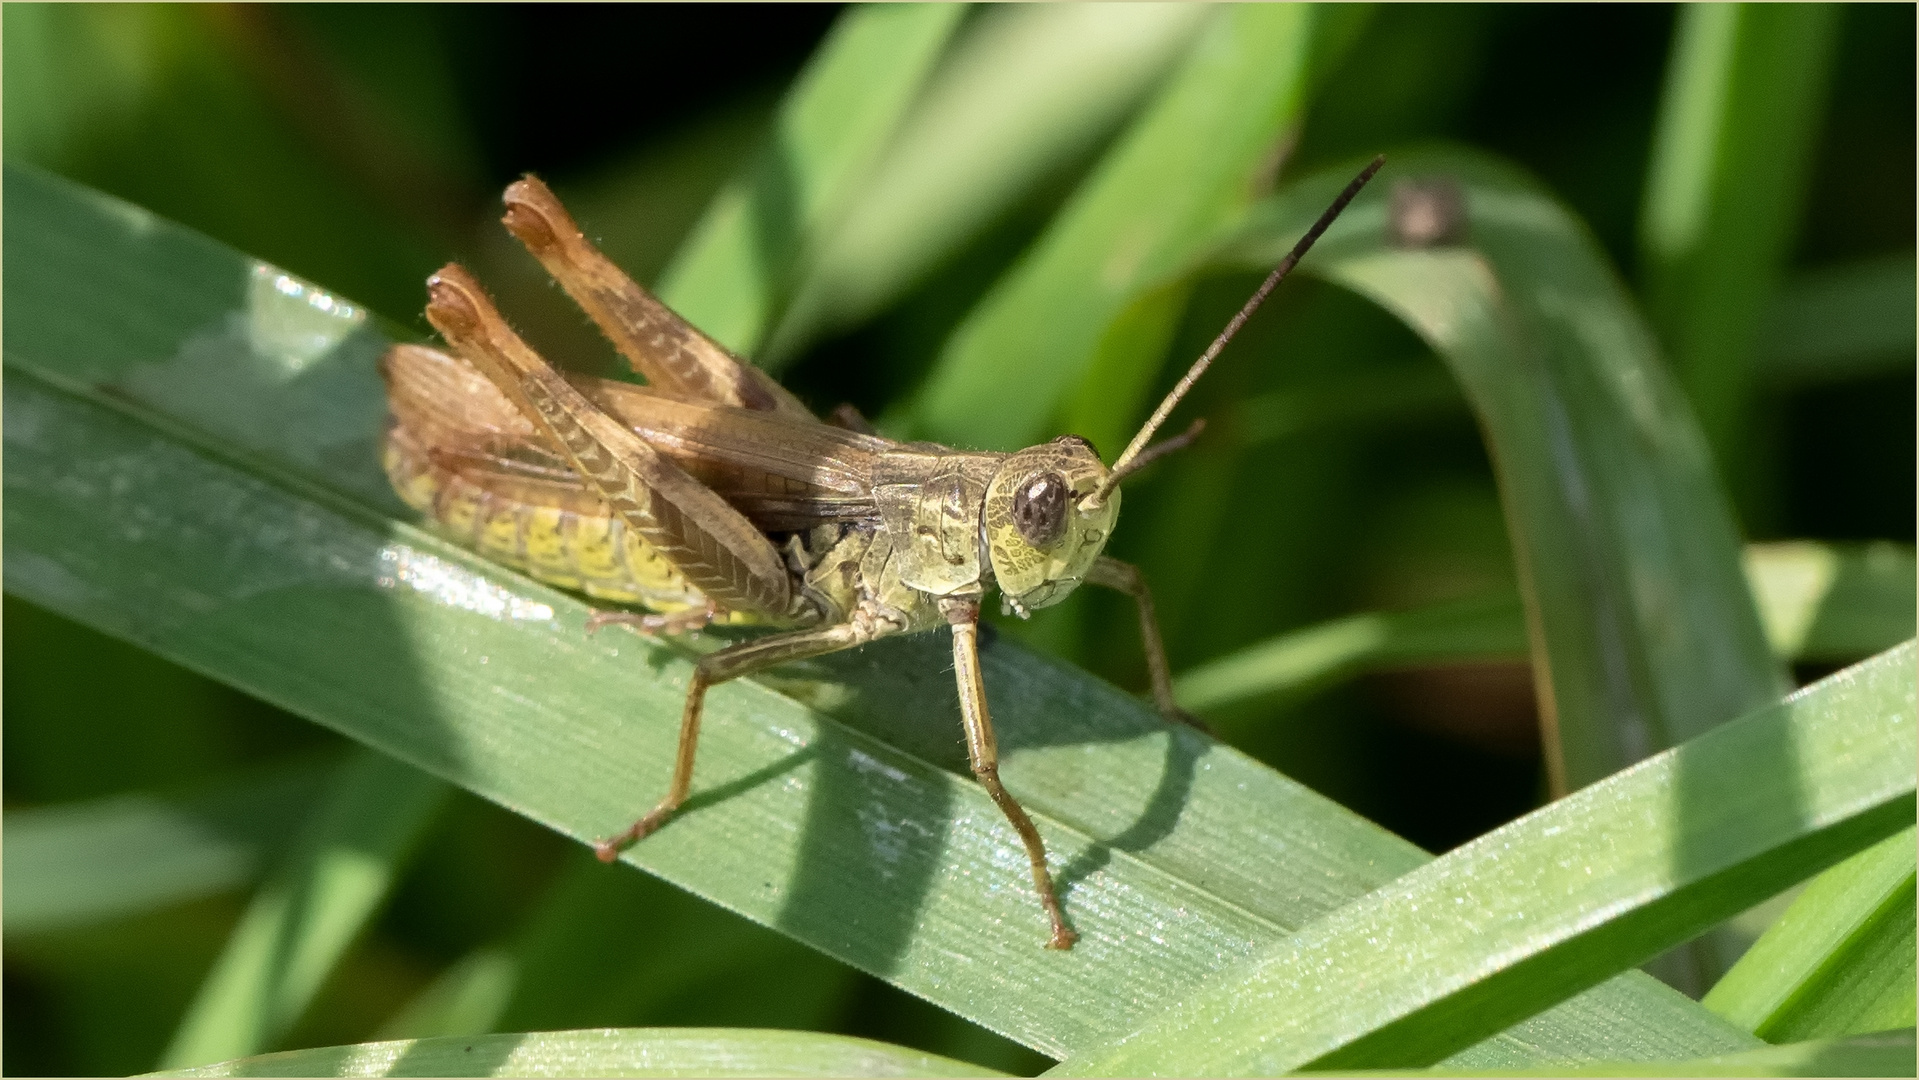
x=713, y=495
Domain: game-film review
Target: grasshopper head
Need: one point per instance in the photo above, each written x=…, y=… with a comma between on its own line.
x=1050, y=508
x=1041, y=538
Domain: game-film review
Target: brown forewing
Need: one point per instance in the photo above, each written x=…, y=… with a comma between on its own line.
x=784, y=475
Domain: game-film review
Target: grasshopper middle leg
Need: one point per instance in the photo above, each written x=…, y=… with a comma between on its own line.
x=731, y=663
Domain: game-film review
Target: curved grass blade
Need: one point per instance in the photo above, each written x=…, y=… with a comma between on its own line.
x=305, y=916
x=734, y=274
x=1537, y=910
x=1644, y=632
x=606, y=1052
x=1183, y=169
x=1839, y=961
x=108, y=858
x=832, y=802
x=1023, y=91
x=1730, y=158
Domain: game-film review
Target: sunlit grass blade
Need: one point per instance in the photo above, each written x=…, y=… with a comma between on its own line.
x=1564, y=897
x=1887, y=1053
x=305, y=915
x=1628, y=554
x=607, y=1052
x=832, y=801
x=1819, y=602
x=1833, y=602
x=1839, y=961
x=71, y=865
x=1023, y=92
x=735, y=272
x=1745, y=89
x=1182, y=170
x=1839, y=321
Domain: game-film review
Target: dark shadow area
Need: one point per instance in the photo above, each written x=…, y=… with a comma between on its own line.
x=655, y=955
x=1850, y=472
x=1155, y=821
x=559, y=88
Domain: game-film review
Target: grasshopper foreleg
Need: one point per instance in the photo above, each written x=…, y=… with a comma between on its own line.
x=731, y=663
x=1125, y=577
x=982, y=750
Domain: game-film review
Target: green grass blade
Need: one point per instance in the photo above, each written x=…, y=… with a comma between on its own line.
x=108, y=858
x=1177, y=175
x=1833, y=602
x=1888, y=1053
x=1364, y=398
x=465, y=999
x=1628, y=555
x=735, y=272
x=1562, y=898
x=307, y=914
x=1819, y=602
x=1476, y=628
x=103, y=94
x=1025, y=91
x=1745, y=90
x=607, y=1052
x=832, y=801
x=1840, y=321
x=1839, y=961
x=576, y=962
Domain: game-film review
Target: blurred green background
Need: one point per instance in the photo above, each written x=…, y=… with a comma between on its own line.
x=361, y=146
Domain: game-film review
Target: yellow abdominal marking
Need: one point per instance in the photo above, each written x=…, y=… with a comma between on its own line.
x=592, y=553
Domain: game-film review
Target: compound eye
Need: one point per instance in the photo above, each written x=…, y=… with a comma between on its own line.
x=1039, y=509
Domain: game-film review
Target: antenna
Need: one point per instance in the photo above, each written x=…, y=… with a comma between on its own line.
x=1137, y=448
